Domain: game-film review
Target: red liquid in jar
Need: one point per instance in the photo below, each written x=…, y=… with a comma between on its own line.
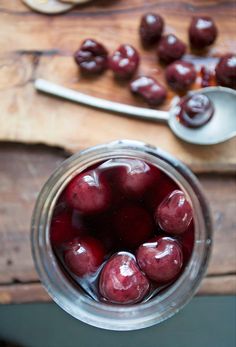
x=115, y=203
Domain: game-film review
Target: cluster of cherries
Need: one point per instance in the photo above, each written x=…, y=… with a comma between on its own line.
x=92, y=57
x=123, y=230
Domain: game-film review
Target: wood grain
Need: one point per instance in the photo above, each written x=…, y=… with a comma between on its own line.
x=35, y=292
x=23, y=170
x=218, y=285
x=22, y=173
x=33, y=45
x=23, y=293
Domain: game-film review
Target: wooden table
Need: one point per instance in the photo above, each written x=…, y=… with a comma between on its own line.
x=33, y=45
x=24, y=169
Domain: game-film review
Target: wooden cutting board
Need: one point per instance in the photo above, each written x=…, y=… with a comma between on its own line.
x=33, y=45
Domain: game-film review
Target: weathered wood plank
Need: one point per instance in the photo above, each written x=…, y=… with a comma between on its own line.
x=22, y=173
x=35, y=292
x=23, y=293
x=218, y=285
x=221, y=193
x=24, y=169
x=33, y=45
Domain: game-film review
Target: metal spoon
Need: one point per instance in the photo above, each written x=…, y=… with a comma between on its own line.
x=53, y=6
x=220, y=128
x=48, y=6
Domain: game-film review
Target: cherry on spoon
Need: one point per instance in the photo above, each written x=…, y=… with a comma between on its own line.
x=221, y=127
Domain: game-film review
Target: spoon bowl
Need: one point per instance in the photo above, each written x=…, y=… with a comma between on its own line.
x=221, y=127
x=48, y=6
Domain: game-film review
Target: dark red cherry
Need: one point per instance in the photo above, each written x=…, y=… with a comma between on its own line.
x=164, y=186
x=149, y=90
x=133, y=225
x=135, y=176
x=124, y=61
x=174, y=214
x=151, y=28
x=121, y=281
x=88, y=193
x=83, y=256
x=195, y=110
x=187, y=242
x=62, y=230
x=202, y=32
x=226, y=71
x=207, y=77
x=170, y=48
x=161, y=259
x=180, y=75
x=101, y=226
x=92, y=57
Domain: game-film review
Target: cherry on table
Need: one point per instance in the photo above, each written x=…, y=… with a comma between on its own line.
x=151, y=28
x=124, y=61
x=180, y=75
x=121, y=280
x=149, y=89
x=83, y=256
x=88, y=193
x=202, y=32
x=226, y=71
x=174, y=214
x=92, y=57
x=170, y=48
x=161, y=259
x=207, y=77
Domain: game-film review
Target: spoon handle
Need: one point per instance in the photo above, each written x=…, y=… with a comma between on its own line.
x=72, y=95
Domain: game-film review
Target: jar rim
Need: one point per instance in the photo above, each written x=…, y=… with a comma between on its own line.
x=79, y=305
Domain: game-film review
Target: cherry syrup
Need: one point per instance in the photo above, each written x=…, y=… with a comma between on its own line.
x=123, y=231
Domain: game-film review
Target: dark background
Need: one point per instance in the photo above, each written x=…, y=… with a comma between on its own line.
x=205, y=322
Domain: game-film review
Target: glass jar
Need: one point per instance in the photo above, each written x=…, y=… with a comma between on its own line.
x=75, y=301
